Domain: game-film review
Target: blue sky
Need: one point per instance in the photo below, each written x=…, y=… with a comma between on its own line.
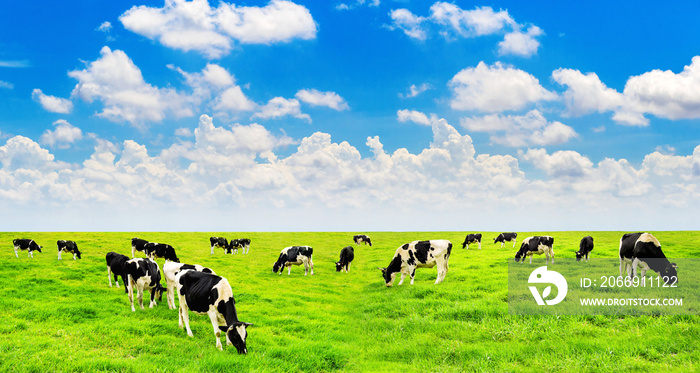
x=349, y=115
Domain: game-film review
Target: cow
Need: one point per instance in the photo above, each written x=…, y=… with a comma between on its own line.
x=237, y=243
x=294, y=255
x=361, y=238
x=115, y=266
x=170, y=272
x=418, y=254
x=26, y=244
x=143, y=274
x=585, y=248
x=68, y=246
x=137, y=244
x=220, y=242
x=644, y=250
x=156, y=250
x=506, y=237
x=211, y=295
x=536, y=245
x=470, y=239
x=347, y=254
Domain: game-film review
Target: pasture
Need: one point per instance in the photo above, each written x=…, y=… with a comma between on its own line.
x=61, y=316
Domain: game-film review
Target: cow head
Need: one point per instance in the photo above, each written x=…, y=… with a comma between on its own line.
x=236, y=335
x=671, y=270
x=388, y=277
x=579, y=255
x=277, y=266
x=77, y=254
x=338, y=266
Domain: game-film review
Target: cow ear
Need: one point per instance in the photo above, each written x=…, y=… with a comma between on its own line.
x=223, y=328
x=247, y=324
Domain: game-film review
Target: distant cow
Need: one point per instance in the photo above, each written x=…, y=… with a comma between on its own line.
x=361, y=238
x=240, y=243
x=294, y=255
x=506, y=237
x=347, y=254
x=536, y=245
x=26, y=244
x=137, y=244
x=211, y=295
x=220, y=242
x=418, y=254
x=68, y=246
x=160, y=250
x=143, y=274
x=644, y=250
x=585, y=248
x=470, y=239
x=115, y=266
x=171, y=270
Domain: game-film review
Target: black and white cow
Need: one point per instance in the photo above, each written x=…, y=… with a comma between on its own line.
x=418, y=254
x=137, y=244
x=171, y=270
x=68, y=246
x=156, y=250
x=240, y=243
x=143, y=274
x=585, y=248
x=294, y=255
x=362, y=238
x=347, y=254
x=470, y=239
x=506, y=237
x=211, y=295
x=115, y=266
x=26, y=244
x=536, y=245
x=220, y=242
x=644, y=250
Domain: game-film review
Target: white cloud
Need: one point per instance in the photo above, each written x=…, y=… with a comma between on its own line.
x=8, y=85
x=105, y=26
x=563, y=163
x=482, y=88
x=52, y=103
x=279, y=107
x=64, y=135
x=196, y=26
x=531, y=129
x=316, y=98
x=519, y=43
x=663, y=94
x=469, y=23
x=413, y=116
x=414, y=90
x=409, y=23
x=184, y=132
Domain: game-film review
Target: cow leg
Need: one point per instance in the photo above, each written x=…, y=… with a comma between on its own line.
x=59, y=254
x=133, y=252
x=403, y=276
x=503, y=244
x=413, y=275
x=622, y=266
x=212, y=250
x=635, y=264
x=16, y=255
x=139, y=296
x=217, y=331
x=185, y=318
x=130, y=291
x=531, y=259
x=170, y=296
x=514, y=241
x=153, y=298
x=109, y=276
x=311, y=264
x=479, y=245
x=289, y=270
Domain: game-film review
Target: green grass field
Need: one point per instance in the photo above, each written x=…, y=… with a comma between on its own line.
x=62, y=315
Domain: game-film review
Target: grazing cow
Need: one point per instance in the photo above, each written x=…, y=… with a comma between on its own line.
x=506, y=237
x=208, y=294
x=347, y=254
x=171, y=270
x=115, y=266
x=243, y=243
x=137, y=244
x=219, y=242
x=68, y=246
x=361, y=238
x=644, y=250
x=472, y=238
x=143, y=274
x=418, y=254
x=294, y=255
x=585, y=248
x=536, y=245
x=160, y=250
x=26, y=244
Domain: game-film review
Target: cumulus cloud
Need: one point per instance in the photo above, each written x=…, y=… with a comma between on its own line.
x=453, y=22
x=531, y=129
x=413, y=116
x=279, y=107
x=196, y=26
x=663, y=94
x=414, y=90
x=317, y=98
x=63, y=136
x=8, y=85
x=52, y=103
x=482, y=88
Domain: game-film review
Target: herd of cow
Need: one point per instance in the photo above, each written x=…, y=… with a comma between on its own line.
x=200, y=290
